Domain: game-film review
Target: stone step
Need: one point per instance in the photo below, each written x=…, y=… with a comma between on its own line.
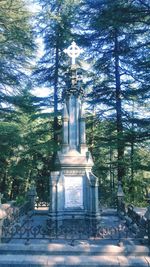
x=84, y=249
x=81, y=255
x=70, y=261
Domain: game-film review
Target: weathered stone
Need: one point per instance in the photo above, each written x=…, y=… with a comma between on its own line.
x=73, y=188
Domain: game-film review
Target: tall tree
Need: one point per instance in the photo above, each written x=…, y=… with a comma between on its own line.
x=115, y=30
x=16, y=48
x=54, y=26
x=16, y=45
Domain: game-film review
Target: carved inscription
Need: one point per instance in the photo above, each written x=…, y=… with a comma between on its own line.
x=73, y=192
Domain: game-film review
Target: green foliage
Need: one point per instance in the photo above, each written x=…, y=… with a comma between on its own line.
x=26, y=147
x=54, y=25
x=116, y=37
x=16, y=44
x=20, y=200
x=101, y=138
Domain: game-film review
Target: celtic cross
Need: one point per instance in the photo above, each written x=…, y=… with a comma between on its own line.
x=73, y=51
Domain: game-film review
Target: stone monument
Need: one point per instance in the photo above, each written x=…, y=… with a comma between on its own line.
x=73, y=187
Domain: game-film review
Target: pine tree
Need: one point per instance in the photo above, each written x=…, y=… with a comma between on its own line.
x=16, y=45
x=55, y=20
x=115, y=30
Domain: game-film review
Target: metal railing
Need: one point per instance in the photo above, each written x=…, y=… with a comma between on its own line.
x=69, y=230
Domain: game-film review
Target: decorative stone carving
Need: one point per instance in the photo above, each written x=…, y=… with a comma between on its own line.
x=73, y=51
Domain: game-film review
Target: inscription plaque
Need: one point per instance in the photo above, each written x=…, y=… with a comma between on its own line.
x=73, y=192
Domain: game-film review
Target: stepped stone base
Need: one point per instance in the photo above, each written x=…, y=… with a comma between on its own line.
x=56, y=254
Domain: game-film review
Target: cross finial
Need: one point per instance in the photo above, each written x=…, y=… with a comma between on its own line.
x=73, y=51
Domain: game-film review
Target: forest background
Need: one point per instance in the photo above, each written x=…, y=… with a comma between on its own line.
x=115, y=66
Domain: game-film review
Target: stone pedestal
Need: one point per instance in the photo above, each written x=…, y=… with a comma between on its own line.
x=74, y=194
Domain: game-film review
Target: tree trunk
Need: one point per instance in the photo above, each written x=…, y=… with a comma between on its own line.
x=131, y=189
x=92, y=138
x=120, y=142
x=56, y=94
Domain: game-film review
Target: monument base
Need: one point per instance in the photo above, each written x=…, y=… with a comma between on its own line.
x=73, y=215
x=74, y=195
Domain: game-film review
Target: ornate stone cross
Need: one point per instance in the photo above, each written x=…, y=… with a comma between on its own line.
x=73, y=51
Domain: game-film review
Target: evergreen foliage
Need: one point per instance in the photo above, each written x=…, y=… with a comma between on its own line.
x=54, y=25
x=115, y=38
x=117, y=33
x=16, y=45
